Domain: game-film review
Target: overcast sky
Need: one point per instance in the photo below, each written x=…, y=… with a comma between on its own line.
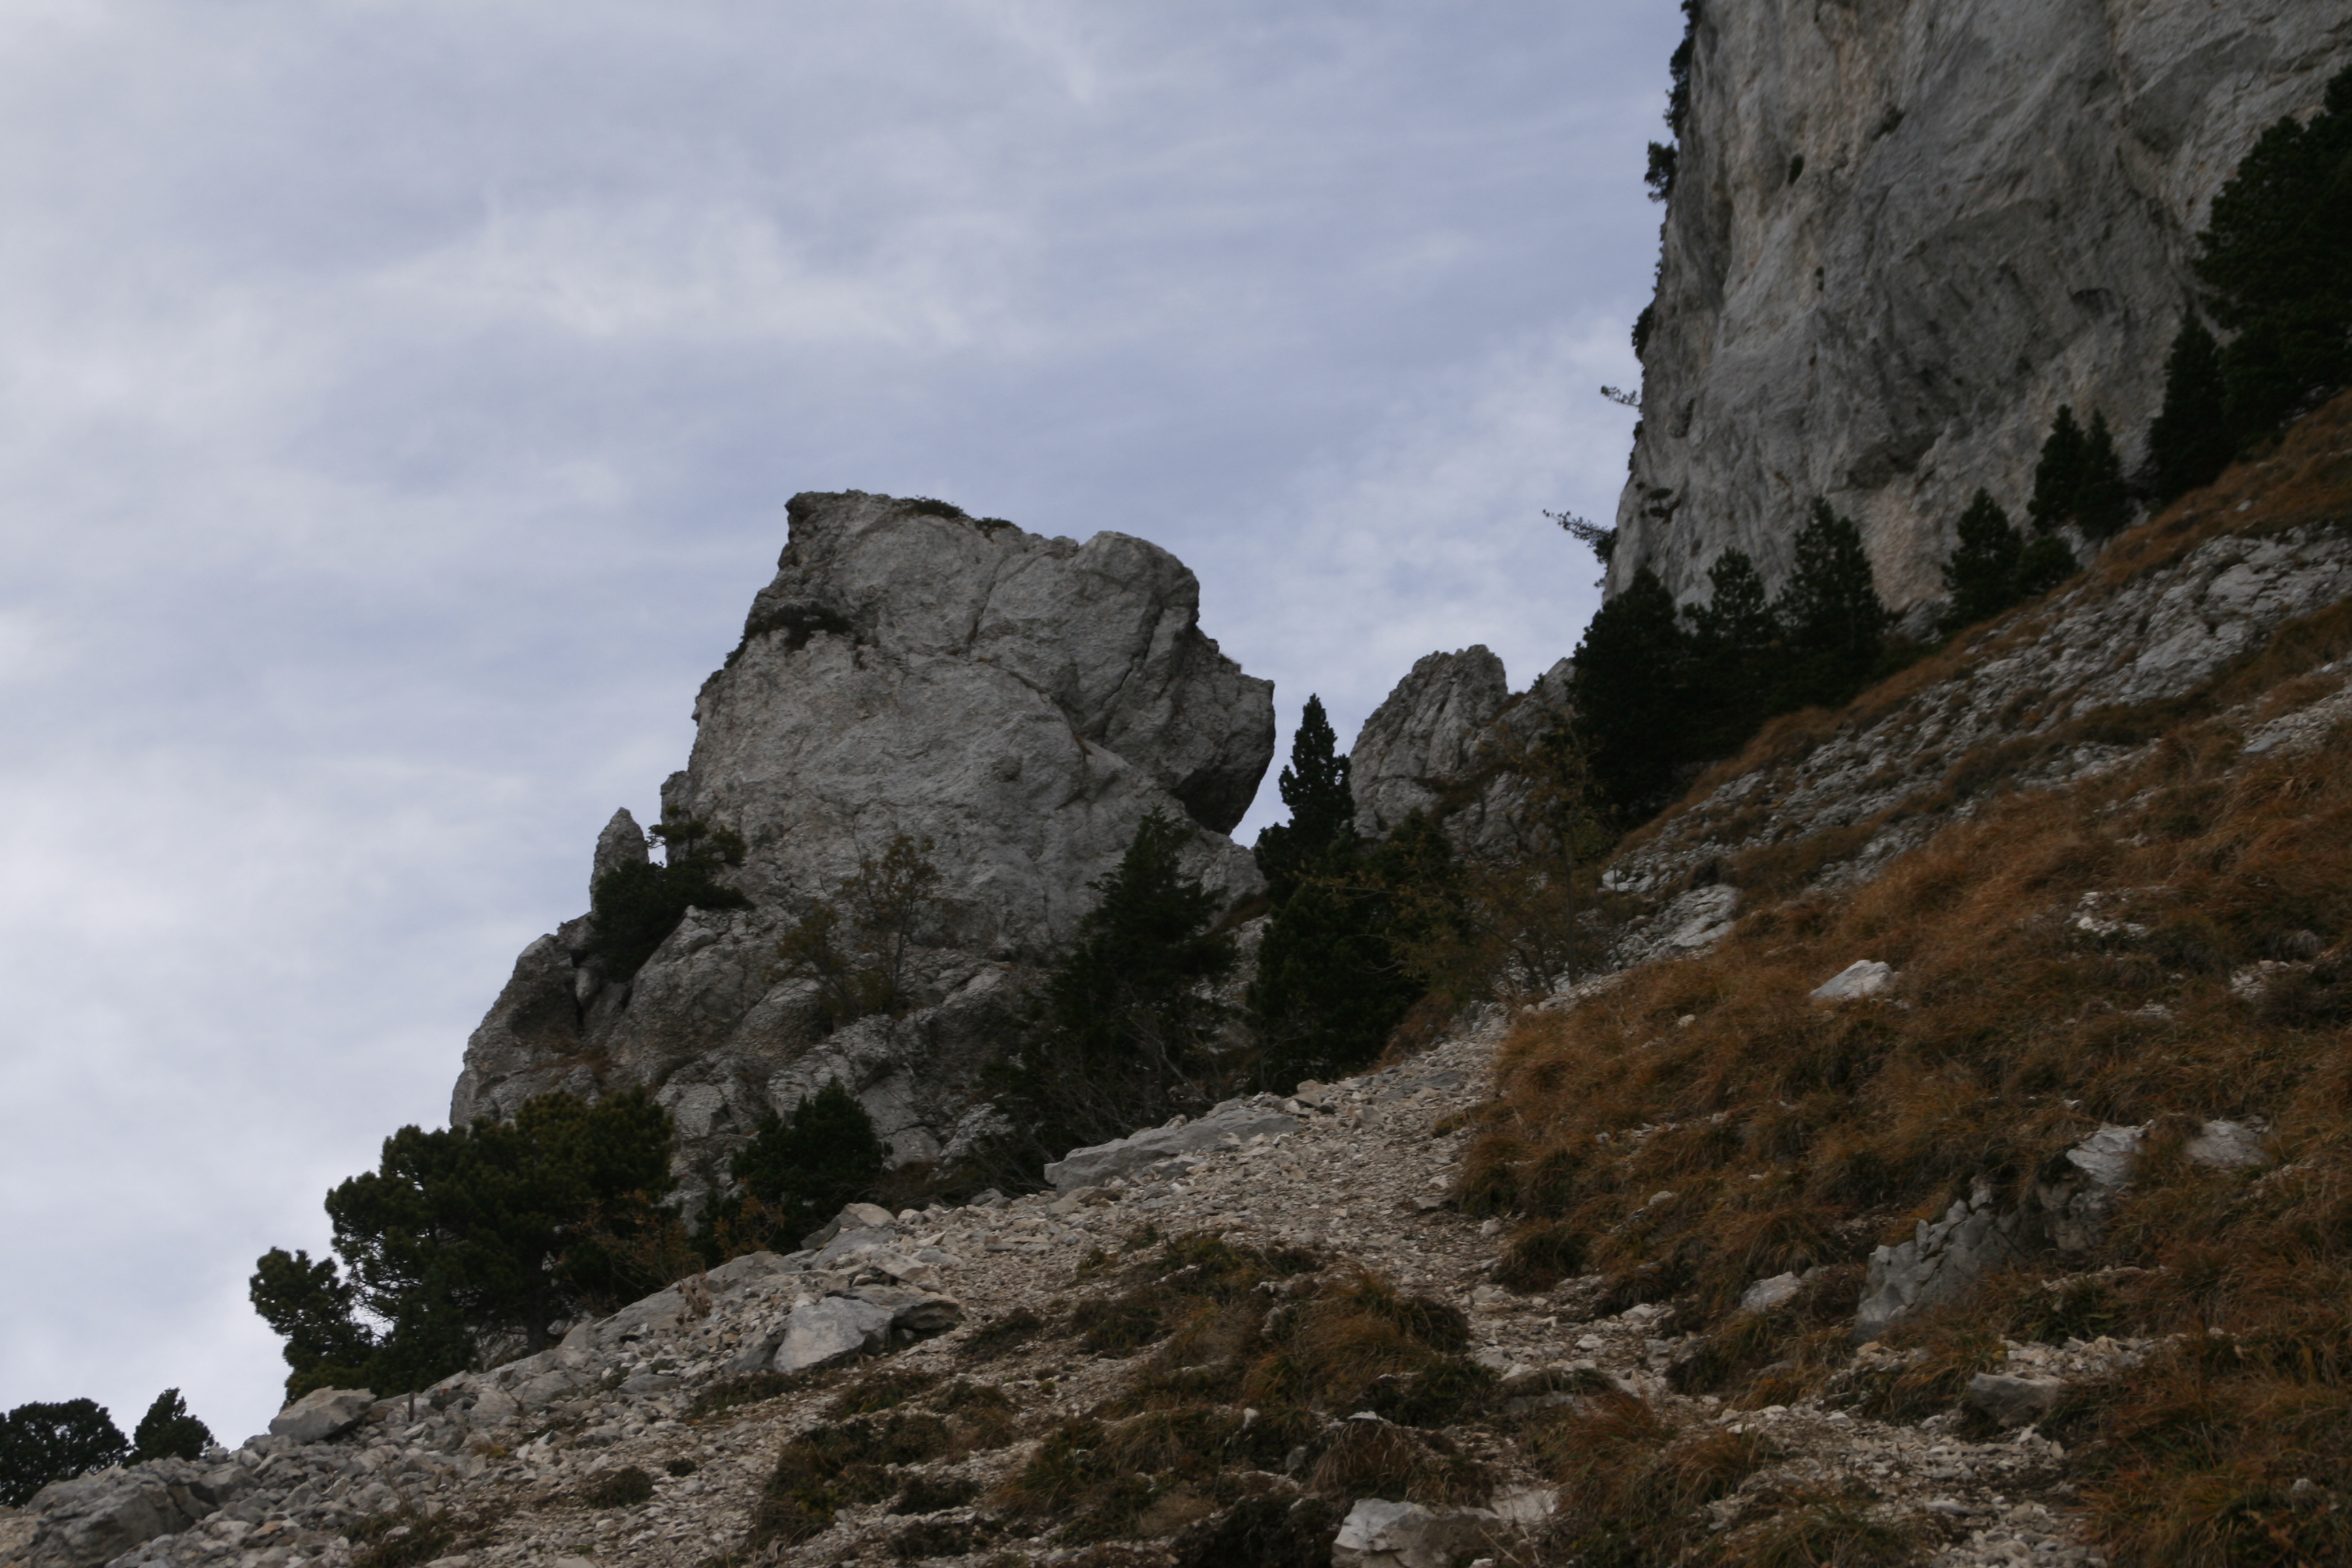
x=400, y=403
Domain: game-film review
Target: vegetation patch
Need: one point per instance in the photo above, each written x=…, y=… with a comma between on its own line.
x=623, y=1488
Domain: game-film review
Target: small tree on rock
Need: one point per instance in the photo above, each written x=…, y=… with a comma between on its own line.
x=636, y=904
x=168, y=1432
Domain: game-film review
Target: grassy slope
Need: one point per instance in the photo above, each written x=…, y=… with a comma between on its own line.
x=1791, y=1136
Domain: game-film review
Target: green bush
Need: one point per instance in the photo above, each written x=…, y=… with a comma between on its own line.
x=856, y=945
x=44, y=1443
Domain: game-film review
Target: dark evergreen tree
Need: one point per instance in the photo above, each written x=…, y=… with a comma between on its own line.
x=803, y=1168
x=2058, y=475
x=1328, y=989
x=2272, y=257
x=1830, y=613
x=2189, y=444
x=1735, y=655
x=1121, y=1036
x=168, y=1432
x=1632, y=696
x=1322, y=805
x=2046, y=563
x=636, y=904
x=44, y=1443
x=2103, y=503
x=1980, y=579
x=492, y=1230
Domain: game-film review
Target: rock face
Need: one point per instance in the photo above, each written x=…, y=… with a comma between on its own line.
x=1901, y=235
x=1442, y=742
x=1019, y=703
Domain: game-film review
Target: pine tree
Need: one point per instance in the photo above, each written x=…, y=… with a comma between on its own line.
x=801, y=1169
x=1322, y=805
x=2272, y=257
x=2046, y=563
x=2102, y=501
x=44, y=1443
x=496, y=1229
x=168, y=1432
x=2058, y=476
x=1830, y=613
x=1980, y=579
x=1328, y=988
x=1735, y=652
x=1121, y=1032
x=2189, y=445
x=1633, y=695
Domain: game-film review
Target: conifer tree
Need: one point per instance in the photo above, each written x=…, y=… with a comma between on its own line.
x=2101, y=501
x=1121, y=1032
x=1980, y=579
x=1633, y=695
x=2189, y=444
x=40, y=1442
x=1322, y=804
x=1735, y=651
x=496, y=1229
x=636, y=904
x=2272, y=257
x=803, y=1168
x=2058, y=475
x=168, y=1432
x=1830, y=612
x=2046, y=563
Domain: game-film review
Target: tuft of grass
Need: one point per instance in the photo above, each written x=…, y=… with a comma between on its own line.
x=941, y=1538
x=1002, y=1335
x=1822, y=1529
x=623, y=1488
x=882, y=1389
x=859, y=1460
x=727, y=1394
x=1270, y=1530
x=400, y=1540
x=1632, y=1483
x=1375, y=1459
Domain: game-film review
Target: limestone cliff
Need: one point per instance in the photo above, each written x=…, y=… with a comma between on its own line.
x=1443, y=743
x=1903, y=232
x=1020, y=703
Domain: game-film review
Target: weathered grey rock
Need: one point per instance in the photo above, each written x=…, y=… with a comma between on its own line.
x=1448, y=740
x=622, y=842
x=90, y=1519
x=1381, y=1534
x=2230, y=1146
x=1767, y=1294
x=1991, y=217
x=1238, y=1120
x=1942, y=1258
x=1018, y=703
x=839, y=1328
x=322, y=1414
x=2013, y=1401
x=1863, y=978
x=1424, y=734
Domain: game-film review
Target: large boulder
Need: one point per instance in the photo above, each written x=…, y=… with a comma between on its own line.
x=1020, y=704
x=1453, y=741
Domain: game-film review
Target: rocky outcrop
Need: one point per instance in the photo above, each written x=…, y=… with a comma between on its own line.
x=1901, y=235
x=1016, y=704
x=1445, y=741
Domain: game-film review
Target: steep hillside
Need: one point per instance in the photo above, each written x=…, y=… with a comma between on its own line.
x=1901, y=234
x=2048, y=1105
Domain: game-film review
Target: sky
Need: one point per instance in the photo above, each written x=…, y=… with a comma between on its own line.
x=398, y=406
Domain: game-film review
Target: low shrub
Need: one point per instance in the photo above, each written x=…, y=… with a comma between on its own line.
x=623, y=1488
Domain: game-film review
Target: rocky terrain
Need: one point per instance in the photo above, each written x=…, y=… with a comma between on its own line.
x=2083, y=682
x=1015, y=703
x=1900, y=236
x=1444, y=741
x=953, y=1343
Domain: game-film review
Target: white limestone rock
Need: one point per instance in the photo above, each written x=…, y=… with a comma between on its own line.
x=1901, y=235
x=1858, y=981
x=1020, y=703
x=322, y=1414
x=1233, y=1122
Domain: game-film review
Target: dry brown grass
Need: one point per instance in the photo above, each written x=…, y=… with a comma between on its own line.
x=1632, y=1483
x=1704, y=1124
